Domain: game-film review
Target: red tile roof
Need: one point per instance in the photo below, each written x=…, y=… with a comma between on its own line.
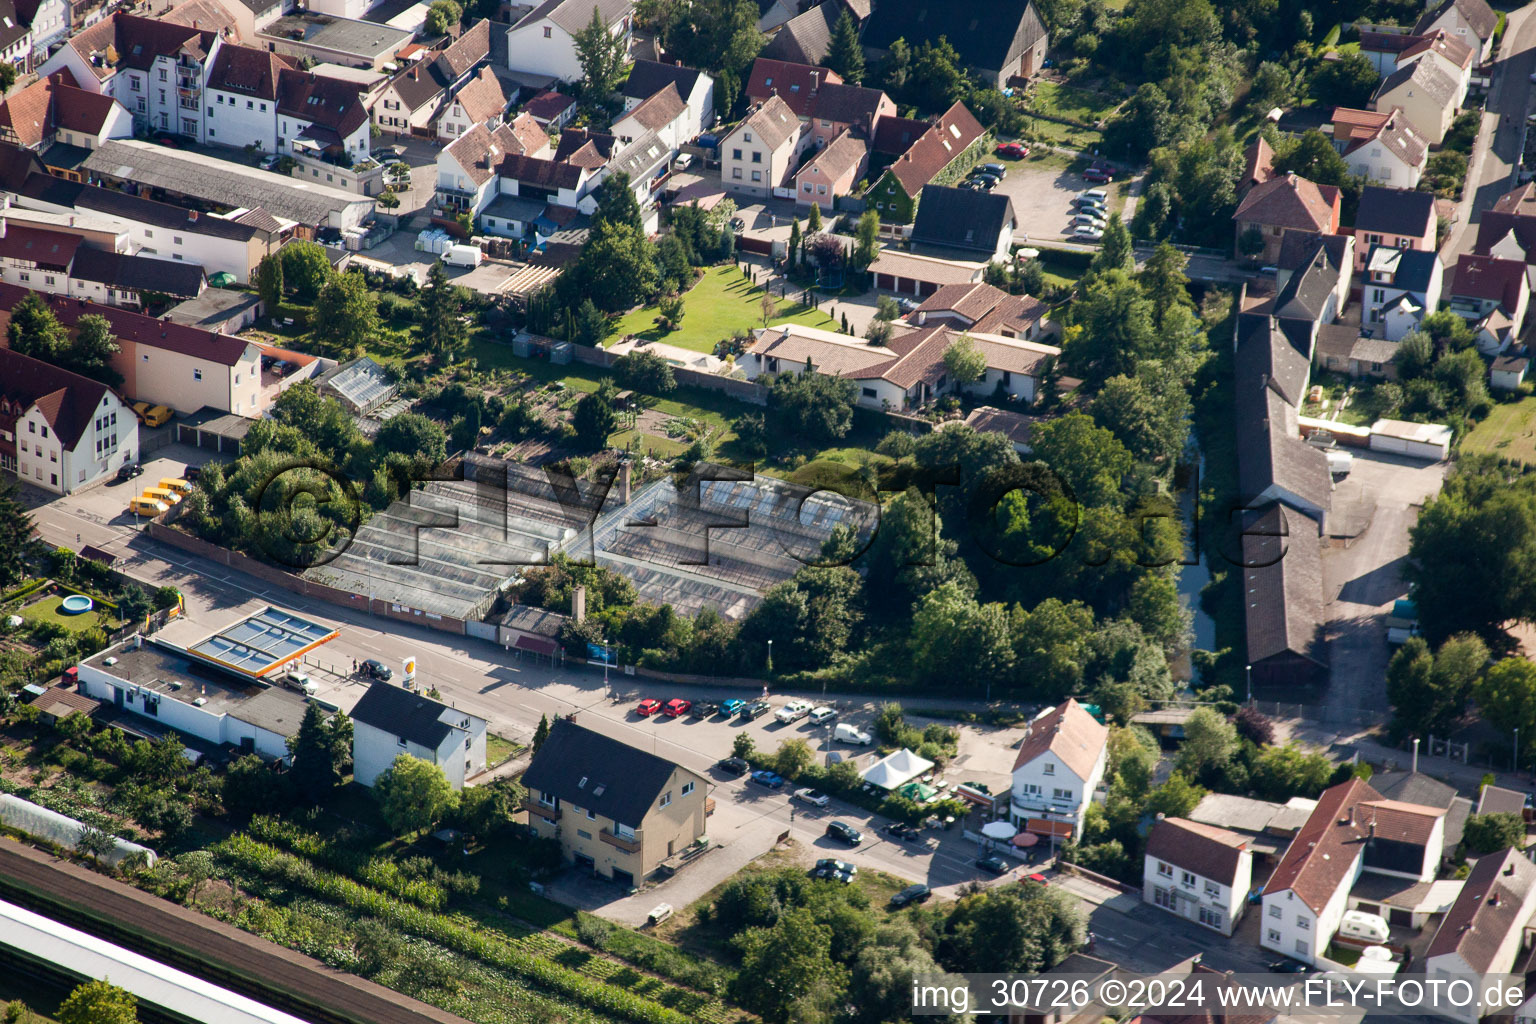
x=53, y=250
x=547, y=106
x=330, y=102
x=1491, y=906
x=1290, y=201
x=945, y=139
x=137, y=42
x=66, y=400
x=1490, y=279
x=222, y=349
x=482, y=98
x=33, y=114
x=1208, y=851
x=247, y=71
x=1069, y=732
x=795, y=84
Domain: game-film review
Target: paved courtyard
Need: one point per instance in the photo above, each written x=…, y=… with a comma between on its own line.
x=1042, y=194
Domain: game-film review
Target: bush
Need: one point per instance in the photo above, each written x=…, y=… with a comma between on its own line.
x=593, y=931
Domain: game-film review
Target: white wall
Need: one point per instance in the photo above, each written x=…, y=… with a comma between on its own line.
x=1058, y=793
x=543, y=48
x=44, y=462
x=461, y=755
x=235, y=120
x=1191, y=892
x=212, y=727
x=187, y=383
x=1297, y=923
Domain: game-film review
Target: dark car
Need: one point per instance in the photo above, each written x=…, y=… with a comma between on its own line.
x=832, y=874
x=1287, y=967
x=754, y=709
x=702, y=709
x=993, y=865
x=377, y=669
x=734, y=766
x=911, y=894
x=763, y=777
x=833, y=864
x=129, y=471
x=844, y=833
x=996, y=170
x=986, y=181
x=901, y=830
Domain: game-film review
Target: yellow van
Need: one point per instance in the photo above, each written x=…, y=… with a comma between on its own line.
x=174, y=483
x=142, y=506
x=152, y=415
x=164, y=495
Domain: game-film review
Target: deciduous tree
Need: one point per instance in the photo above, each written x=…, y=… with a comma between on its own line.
x=346, y=315
x=602, y=56
x=98, y=1002
x=413, y=794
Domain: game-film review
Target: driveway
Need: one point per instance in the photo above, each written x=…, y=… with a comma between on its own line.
x=1042, y=195
x=1362, y=575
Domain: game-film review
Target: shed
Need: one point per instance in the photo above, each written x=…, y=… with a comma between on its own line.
x=1418, y=440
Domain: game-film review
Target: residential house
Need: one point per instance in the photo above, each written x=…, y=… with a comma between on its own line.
x=321, y=116
x=1258, y=165
x=1389, y=52
x=806, y=38
x=241, y=97
x=773, y=14
x=60, y=431
x=164, y=363
x=466, y=167
x=648, y=77
x=1353, y=829
x=1471, y=21
x=1341, y=348
x=1483, y=285
x=152, y=66
x=998, y=41
x=832, y=172
x=1199, y=872
x=553, y=110
x=980, y=223
x=941, y=155
x=543, y=41
x=1484, y=933
x=617, y=811
x=1383, y=146
x=389, y=720
x=1509, y=370
x=1417, y=788
x=838, y=108
x=1427, y=95
x=1015, y=426
x=1501, y=800
x=761, y=152
x=1059, y=765
x=645, y=163
x=541, y=179
x=49, y=24
x=1508, y=228
x=1400, y=287
x=480, y=101
x=985, y=309
x=1398, y=218
x=16, y=42
x=1283, y=605
x=54, y=110
x=663, y=114
x=59, y=263
x=910, y=273
x=795, y=84
x=906, y=372
x=1286, y=203
x=1324, y=261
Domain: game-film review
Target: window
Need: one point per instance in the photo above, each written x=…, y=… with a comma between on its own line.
x=548, y=32
x=623, y=831
x=757, y=157
x=591, y=814
x=45, y=431
x=666, y=798
x=1188, y=878
x=547, y=799
x=584, y=835
x=162, y=76
x=735, y=154
x=197, y=374
x=807, y=188
x=1030, y=789
x=687, y=788
x=1301, y=946
x=26, y=276
x=47, y=279
x=1166, y=870
x=746, y=136
x=1163, y=898
x=869, y=392
x=757, y=175
x=736, y=173
x=1303, y=923
x=401, y=741
x=1212, y=889
x=1210, y=918
x=1274, y=935
x=53, y=478
x=1060, y=794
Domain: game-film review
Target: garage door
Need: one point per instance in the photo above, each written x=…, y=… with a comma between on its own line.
x=1424, y=450
x=1396, y=445
x=885, y=281
x=926, y=288
x=1402, y=917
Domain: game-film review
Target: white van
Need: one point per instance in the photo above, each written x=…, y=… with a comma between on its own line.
x=658, y=914
x=1369, y=927
x=849, y=734
x=1339, y=463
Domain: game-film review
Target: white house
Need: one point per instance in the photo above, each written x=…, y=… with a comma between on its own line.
x=1060, y=764
x=466, y=167
x=1400, y=288
x=480, y=101
x=1199, y=872
x=241, y=97
x=664, y=113
x=1471, y=21
x=390, y=720
x=1484, y=931
x=60, y=431
x=648, y=77
x=1384, y=146
x=543, y=42
x=1352, y=829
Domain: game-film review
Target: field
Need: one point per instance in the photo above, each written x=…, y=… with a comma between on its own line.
x=1509, y=430
x=721, y=305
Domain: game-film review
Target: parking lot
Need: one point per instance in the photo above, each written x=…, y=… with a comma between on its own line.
x=1042, y=194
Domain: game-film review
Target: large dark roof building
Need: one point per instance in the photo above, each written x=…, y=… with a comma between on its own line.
x=961, y=218
x=598, y=773
x=997, y=39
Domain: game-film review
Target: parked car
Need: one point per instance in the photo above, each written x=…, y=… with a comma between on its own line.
x=986, y=181
x=269, y=163
x=993, y=865
x=1092, y=194
x=911, y=894
x=1099, y=175
x=129, y=471
x=901, y=830
x=734, y=766
x=151, y=415
x=1088, y=233
x=907, y=305
x=1084, y=204
x=755, y=709
x=838, y=865
x=1012, y=151
x=1037, y=877
x=763, y=777
x=814, y=797
x=849, y=733
x=702, y=709
x=1093, y=220
x=844, y=832
x=377, y=669
x=730, y=706
x=677, y=706
x=1287, y=967
x=997, y=171
x=793, y=711
x=648, y=707
x=823, y=714
x=832, y=874
x=973, y=184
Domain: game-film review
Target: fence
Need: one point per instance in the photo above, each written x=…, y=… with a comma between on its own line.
x=741, y=390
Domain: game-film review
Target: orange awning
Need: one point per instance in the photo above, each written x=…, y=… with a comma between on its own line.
x=1044, y=827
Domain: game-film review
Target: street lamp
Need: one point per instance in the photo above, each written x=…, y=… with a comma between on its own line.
x=1248, y=671
x=607, y=657
x=770, y=657
x=1517, y=749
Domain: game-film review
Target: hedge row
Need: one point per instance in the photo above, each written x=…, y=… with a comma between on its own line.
x=378, y=872
x=244, y=852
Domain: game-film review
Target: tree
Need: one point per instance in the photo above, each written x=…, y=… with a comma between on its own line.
x=1254, y=726
x=15, y=535
x=589, y=325
x=1117, y=329
x=441, y=329
x=1429, y=693
x=1085, y=456
x=346, y=314
x=792, y=257
x=866, y=246
x=413, y=435
x=785, y=964
x=322, y=752
x=1313, y=157
x=812, y=408
x=484, y=811
x=949, y=627
x=34, y=330
x=616, y=202
x=645, y=372
x=1506, y=695
x=602, y=57
x=1116, y=250
x=884, y=971
x=93, y=349
x=1415, y=355
x=768, y=307
x=1023, y=928
x=1164, y=282
x=964, y=362
x=743, y=746
x=1345, y=82
x=1149, y=419
x=413, y=794
x=792, y=758
x=98, y=1002
x=442, y=16
x=1209, y=742
x=616, y=269
x=813, y=617
x=1272, y=85
x=937, y=80
x=305, y=269
x=250, y=787
x=269, y=283
x=887, y=309
x=594, y=418
x=1175, y=798
x=541, y=733
x=1489, y=833
x=844, y=54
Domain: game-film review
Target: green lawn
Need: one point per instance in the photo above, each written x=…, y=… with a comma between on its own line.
x=47, y=610
x=1509, y=430
x=499, y=748
x=722, y=304
x=1075, y=103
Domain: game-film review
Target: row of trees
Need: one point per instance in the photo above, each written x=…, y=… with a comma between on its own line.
x=35, y=331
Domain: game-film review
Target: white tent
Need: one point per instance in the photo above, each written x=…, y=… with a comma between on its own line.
x=896, y=769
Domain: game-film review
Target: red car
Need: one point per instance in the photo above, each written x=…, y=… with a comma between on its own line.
x=677, y=706
x=1099, y=175
x=1038, y=878
x=648, y=707
x=1012, y=150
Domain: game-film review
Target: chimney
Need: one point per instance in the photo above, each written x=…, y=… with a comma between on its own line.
x=192, y=215
x=626, y=473
x=922, y=317
x=2, y=227
x=579, y=604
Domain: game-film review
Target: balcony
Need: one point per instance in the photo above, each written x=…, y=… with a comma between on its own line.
x=627, y=845
x=1039, y=803
x=532, y=806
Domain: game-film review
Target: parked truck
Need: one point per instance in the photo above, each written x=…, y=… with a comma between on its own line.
x=463, y=256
